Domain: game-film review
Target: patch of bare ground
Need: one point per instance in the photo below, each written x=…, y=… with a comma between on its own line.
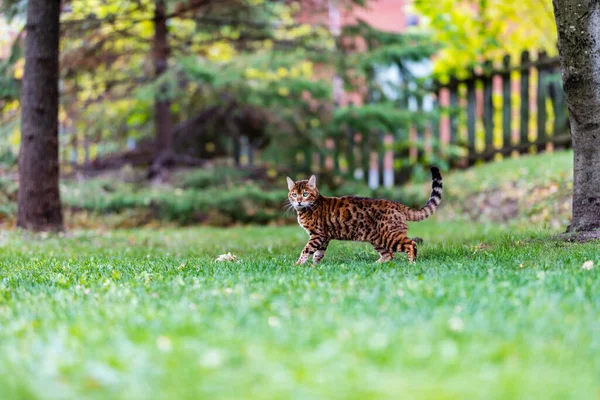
x=580, y=237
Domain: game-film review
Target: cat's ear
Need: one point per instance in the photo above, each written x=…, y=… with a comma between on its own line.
x=312, y=182
x=290, y=182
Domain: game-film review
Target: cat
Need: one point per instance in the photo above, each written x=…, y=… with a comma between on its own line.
x=379, y=222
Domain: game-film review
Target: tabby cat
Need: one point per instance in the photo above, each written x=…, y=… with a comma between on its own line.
x=379, y=222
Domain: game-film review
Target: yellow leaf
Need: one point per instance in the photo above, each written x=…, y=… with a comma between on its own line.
x=282, y=72
x=15, y=137
x=221, y=52
x=307, y=68
x=19, y=69
x=62, y=115
x=93, y=151
x=251, y=73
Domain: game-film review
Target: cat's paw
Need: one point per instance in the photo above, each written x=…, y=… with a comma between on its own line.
x=418, y=240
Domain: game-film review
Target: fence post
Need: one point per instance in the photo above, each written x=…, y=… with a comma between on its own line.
x=453, y=88
x=471, y=116
x=336, y=154
x=488, y=110
x=366, y=156
x=237, y=150
x=524, y=112
x=350, y=159
x=402, y=144
x=541, y=138
x=506, y=104
x=420, y=129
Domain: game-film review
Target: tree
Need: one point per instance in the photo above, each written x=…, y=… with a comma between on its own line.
x=215, y=71
x=579, y=49
x=39, y=196
x=233, y=58
x=472, y=31
x=162, y=105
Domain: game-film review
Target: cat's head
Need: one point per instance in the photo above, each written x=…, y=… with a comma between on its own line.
x=303, y=194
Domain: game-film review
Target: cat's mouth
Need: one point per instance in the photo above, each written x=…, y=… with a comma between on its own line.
x=300, y=206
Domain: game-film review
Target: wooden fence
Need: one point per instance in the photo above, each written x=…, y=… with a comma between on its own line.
x=506, y=109
x=497, y=110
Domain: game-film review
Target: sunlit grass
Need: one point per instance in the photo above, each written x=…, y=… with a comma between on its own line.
x=485, y=313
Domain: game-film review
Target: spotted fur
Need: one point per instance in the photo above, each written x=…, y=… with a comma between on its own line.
x=379, y=222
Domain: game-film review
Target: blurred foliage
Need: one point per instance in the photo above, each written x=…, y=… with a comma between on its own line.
x=472, y=31
x=211, y=177
x=236, y=67
x=501, y=192
x=246, y=203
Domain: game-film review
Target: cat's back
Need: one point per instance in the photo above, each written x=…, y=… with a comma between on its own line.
x=359, y=206
x=360, y=201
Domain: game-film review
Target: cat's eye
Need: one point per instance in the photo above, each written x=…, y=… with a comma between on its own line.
x=294, y=194
x=305, y=194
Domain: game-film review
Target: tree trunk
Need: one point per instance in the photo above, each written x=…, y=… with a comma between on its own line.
x=162, y=111
x=39, y=196
x=578, y=24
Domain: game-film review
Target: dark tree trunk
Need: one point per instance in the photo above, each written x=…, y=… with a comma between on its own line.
x=578, y=24
x=39, y=196
x=162, y=107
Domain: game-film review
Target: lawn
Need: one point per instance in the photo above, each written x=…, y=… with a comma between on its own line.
x=490, y=311
x=150, y=315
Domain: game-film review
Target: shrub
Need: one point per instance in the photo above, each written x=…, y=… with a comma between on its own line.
x=211, y=177
x=247, y=203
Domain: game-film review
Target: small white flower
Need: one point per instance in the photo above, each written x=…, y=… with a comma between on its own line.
x=541, y=275
x=164, y=344
x=212, y=358
x=379, y=341
x=588, y=265
x=456, y=324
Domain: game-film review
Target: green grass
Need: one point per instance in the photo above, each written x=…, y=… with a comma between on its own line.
x=485, y=313
x=526, y=191
x=492, y=310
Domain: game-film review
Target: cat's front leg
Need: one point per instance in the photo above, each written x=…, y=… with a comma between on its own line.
x=311, y=248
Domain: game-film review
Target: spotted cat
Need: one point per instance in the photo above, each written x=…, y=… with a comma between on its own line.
x=379, y=222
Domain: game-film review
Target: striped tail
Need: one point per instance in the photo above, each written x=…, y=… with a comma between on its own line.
x=434, y=199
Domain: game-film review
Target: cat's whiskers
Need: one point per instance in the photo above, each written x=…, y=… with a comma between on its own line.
x=287, y=207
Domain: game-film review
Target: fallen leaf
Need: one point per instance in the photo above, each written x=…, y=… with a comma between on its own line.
x=226, y=257
x=588, y=265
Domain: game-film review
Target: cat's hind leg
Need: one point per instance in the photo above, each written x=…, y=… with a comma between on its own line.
x=385, y=255
x=402, y=243
x=409, y=246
